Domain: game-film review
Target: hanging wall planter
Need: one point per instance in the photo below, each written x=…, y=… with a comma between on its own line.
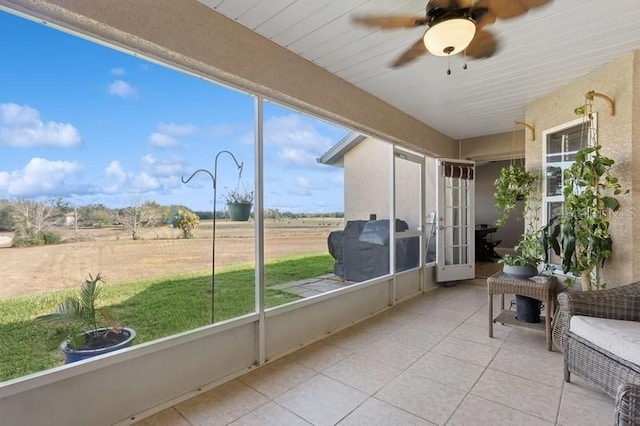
x=239, y=202
x=239, y=212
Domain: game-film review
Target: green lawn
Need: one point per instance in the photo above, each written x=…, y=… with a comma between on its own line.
x=154, y=308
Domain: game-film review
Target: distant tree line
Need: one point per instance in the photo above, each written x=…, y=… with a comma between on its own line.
x=34, y=222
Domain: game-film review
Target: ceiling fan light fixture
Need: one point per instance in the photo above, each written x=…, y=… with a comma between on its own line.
x=449, y=36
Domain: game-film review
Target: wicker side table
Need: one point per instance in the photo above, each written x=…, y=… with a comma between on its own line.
x=540, y=287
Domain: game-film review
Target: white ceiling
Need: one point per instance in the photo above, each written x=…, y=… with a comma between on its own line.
x=540, y=51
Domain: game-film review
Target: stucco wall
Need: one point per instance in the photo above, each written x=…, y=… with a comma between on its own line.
x=616, y=135
x=501, y=146
x=366, y=180
x=194, y=37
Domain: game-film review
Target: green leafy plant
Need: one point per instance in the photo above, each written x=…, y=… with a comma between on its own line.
x=580, y=235
x=514, y=184
x=185, y=220
x=236, y=196
x=529, y=250
x=80, y=321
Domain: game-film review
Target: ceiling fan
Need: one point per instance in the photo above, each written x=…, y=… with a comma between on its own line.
x=454, y=26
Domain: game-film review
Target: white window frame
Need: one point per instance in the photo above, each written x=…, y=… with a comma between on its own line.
x=592, y=137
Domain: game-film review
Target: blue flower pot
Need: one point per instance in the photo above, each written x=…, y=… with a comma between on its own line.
x=73, y=355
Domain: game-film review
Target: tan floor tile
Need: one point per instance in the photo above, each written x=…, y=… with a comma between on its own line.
x=581, y=386
x=476, y=411
x=446, y=370
x=352, y=339
x=465, y=350
x=270, y=414
x=422, y=397
x=377, y=413
x=539, y=366
x=221, y=405
x=422, y=335
x=278, y=377
x=321, y=400
x=319, y=356
x=378, y=327
x=448, y=314
x=365, y=374
x=399, y=315
x=480, y=334
x=169, y=417
x=580, y=410
x=522, y=394
x=524, y=339
x=391, y=353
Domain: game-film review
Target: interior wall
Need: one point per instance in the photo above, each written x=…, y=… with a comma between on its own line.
x=193, y=37
x=616, y=135
x=512, y=230
x=500, y=146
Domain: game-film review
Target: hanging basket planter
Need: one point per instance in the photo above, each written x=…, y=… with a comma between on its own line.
x=239, y=212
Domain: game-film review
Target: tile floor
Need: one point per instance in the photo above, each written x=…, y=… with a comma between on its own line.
x=427, y=361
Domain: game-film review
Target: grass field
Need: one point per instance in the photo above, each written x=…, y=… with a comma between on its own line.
x=159, y=254
x=154, y=308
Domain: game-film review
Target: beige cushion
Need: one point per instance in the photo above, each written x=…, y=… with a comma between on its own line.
x=621, y=338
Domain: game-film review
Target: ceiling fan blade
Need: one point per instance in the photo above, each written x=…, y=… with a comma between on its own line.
x=505, y=9
x=483, y=45
x=481, y=14
x=450, y=4
x=531, y=4
x=390, y=22
x=416, y=50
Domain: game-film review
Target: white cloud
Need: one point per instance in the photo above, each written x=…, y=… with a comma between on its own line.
x=296, y=156
x=118, y=71
x=42, y=177
x=161, y=140
x=21, y=126
x=174, y=129
x=144, y=182
x=166, y=134
x=297, y=137
x=122, y=88
x=114, y=169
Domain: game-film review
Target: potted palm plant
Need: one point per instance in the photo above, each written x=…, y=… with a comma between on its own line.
x=239, y=204
x=88, y=330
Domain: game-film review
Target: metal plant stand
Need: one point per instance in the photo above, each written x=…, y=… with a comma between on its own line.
x=214, y=177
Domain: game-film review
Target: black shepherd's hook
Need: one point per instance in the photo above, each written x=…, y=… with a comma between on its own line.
x=213, y=244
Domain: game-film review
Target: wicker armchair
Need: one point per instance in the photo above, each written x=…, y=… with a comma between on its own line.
x=628, y=405
x=583, y=358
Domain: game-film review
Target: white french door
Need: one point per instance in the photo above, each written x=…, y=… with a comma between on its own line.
x=455, y=252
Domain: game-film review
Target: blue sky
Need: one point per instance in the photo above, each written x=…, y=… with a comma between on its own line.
x=95, y=125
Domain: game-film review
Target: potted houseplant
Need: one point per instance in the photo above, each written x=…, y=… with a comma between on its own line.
x=580, y=235
x=514, y=184
x=517, y=184
x=88, y=330
x=239, y=204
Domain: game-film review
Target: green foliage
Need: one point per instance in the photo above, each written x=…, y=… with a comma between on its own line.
x=7, y=222
x=517, y=184
x=31, y=238
x=581, y=234
x=236, y=196
x=157, y=307
x=78, y=314
x=186, y=221
x=514, y=184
